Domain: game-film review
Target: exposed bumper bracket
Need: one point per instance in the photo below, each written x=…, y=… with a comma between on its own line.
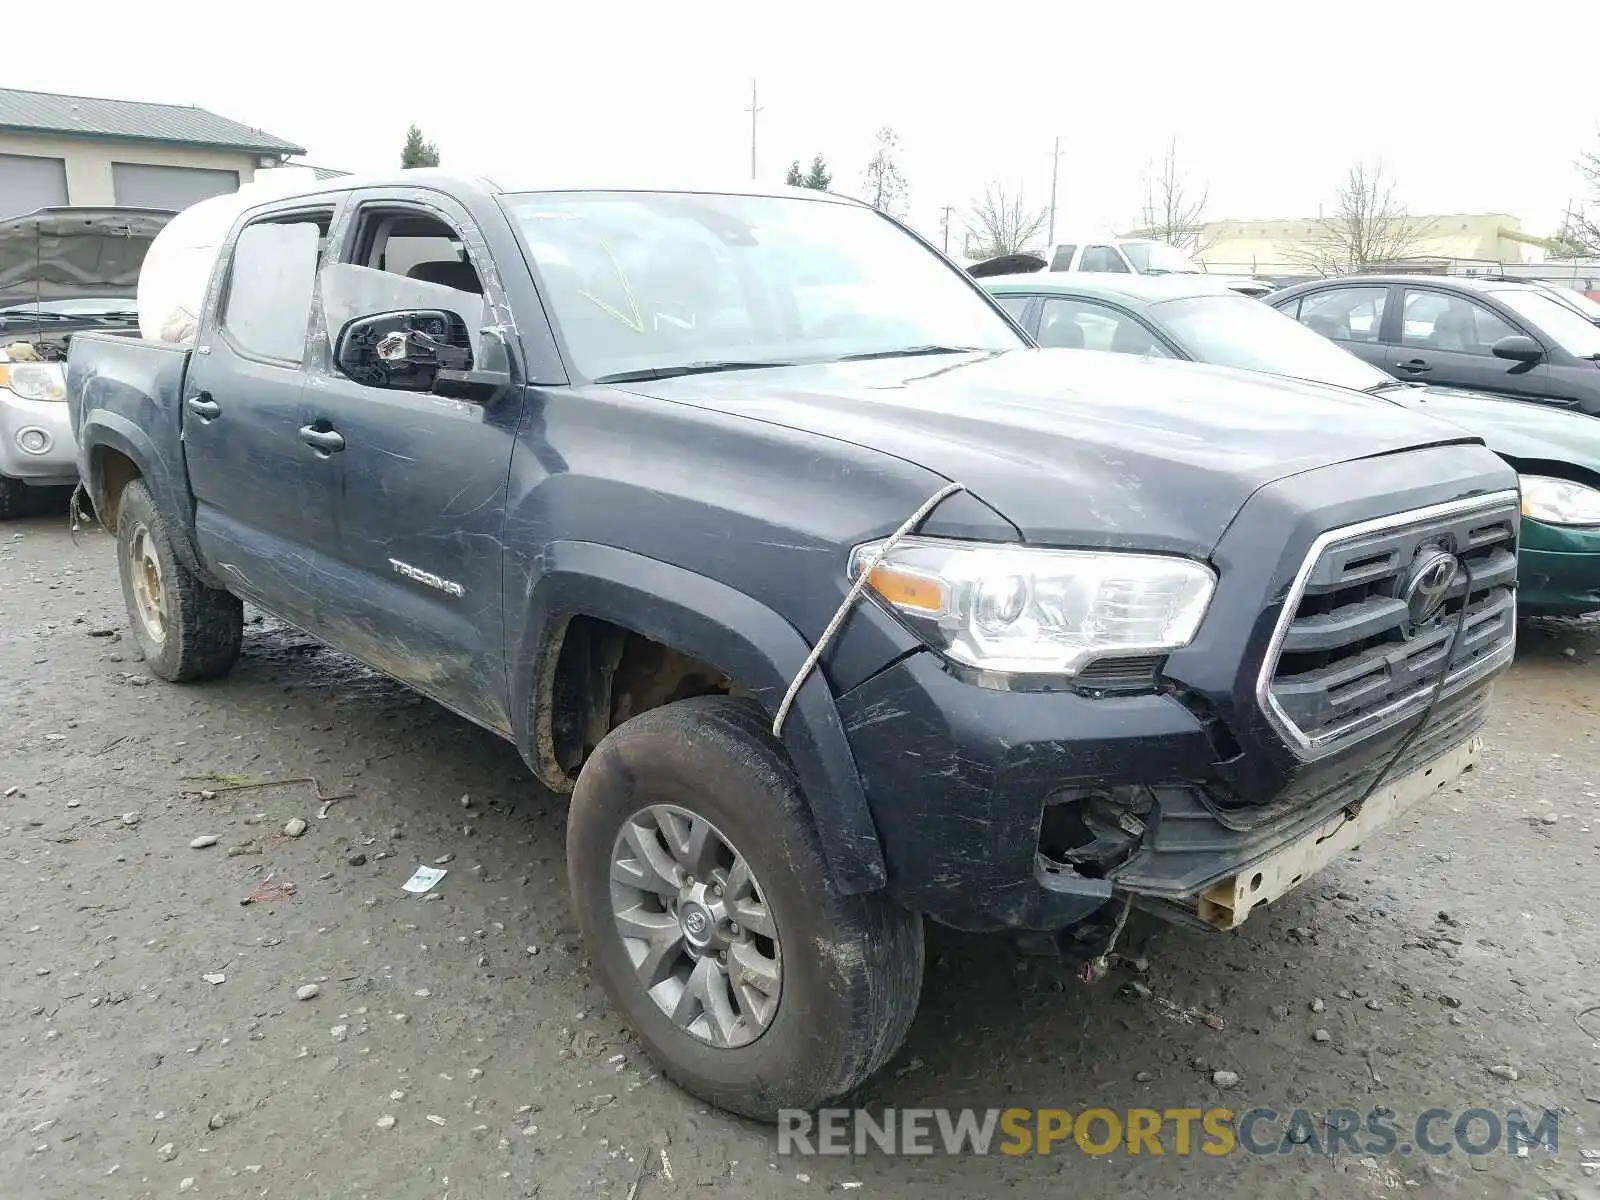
x=1226, y=903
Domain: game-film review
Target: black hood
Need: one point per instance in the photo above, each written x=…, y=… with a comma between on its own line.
x=67, y=253
x=1077, y=447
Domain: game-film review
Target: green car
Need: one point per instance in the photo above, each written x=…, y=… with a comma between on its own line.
x=1556, y=453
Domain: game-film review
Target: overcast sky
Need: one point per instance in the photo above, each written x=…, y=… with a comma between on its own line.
x=1269, y=102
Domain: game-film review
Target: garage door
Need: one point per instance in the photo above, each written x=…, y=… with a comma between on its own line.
x=140, y=185
x=27, y=183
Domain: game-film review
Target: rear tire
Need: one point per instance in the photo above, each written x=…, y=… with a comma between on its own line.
x=187, y=630
x=848, y=969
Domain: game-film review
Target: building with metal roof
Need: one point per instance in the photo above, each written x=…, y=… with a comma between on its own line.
x=88, y=150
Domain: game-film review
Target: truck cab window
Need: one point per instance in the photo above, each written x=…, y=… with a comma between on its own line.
x=1102, y=258
x=418, y=247
x=268, y=302
x=406, y=260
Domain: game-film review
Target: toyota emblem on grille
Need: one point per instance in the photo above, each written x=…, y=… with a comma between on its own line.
x=1427, y=586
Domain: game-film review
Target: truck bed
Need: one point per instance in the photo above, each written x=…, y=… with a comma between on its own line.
x=126, y=397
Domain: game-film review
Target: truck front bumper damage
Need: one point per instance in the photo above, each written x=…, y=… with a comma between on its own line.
x=1226, y=903
x=968, y=787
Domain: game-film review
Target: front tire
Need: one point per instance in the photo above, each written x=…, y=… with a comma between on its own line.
x=709, y=914
x=186, y=629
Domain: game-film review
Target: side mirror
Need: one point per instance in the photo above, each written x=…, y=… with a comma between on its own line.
x=424, y=350
x=1518, y=348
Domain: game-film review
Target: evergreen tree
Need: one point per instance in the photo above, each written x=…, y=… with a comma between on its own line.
x=418, y=151
x=818, y=177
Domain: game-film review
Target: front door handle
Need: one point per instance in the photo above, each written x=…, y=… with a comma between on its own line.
x=203, y=406
x=1414, y=366
x=323, y=441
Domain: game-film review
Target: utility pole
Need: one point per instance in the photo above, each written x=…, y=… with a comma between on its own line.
x=948, y=209
x=754, y=109
x=1055, y=164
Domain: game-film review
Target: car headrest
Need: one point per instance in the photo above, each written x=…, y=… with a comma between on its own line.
x=448, y=273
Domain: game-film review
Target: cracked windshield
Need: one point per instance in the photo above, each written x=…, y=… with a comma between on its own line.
x=653, y=283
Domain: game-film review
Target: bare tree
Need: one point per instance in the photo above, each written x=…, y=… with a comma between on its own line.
x=885, y=185
x=1580, y=232
x=1002, y=222
x=1173, y=211
x=1369, y=227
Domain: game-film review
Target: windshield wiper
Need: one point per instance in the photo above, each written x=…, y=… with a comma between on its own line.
x=910, y=352
x=697, y=368
x=20, y=316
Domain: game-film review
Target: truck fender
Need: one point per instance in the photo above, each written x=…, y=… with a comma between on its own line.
x=111, y=431
x=733, y=632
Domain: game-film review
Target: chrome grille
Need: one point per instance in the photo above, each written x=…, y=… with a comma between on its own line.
x=1348, y=656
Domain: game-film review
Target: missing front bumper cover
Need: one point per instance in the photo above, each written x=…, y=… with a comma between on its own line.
x=1228, y=902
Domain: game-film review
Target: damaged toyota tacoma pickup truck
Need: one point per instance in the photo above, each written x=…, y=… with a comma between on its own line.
x=835, y=605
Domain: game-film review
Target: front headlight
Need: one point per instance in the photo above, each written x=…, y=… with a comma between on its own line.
x=1017, y=610
x=1559, y=501
x=34, y=381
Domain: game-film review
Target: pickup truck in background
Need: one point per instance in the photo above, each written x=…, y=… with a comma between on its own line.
x=1108, y=254
x=834, y=603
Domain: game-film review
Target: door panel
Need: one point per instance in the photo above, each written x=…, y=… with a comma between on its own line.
x=415, y=498
x=1446, y=339
x=242, y=410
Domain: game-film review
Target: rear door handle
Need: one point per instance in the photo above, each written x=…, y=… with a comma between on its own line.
x=203, y=406
x=323, y=441
x=1415, y=366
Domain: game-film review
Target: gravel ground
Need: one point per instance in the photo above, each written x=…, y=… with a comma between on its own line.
x=153, y=1042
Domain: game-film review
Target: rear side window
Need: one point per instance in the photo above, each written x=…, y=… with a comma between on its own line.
x=1102, y=258
x=1346, y=314
x=1013, y=305
x=1073, y=324
x=1062, y=261
x=270, y=280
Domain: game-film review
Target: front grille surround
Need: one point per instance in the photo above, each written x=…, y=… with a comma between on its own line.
x=1343, y=645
